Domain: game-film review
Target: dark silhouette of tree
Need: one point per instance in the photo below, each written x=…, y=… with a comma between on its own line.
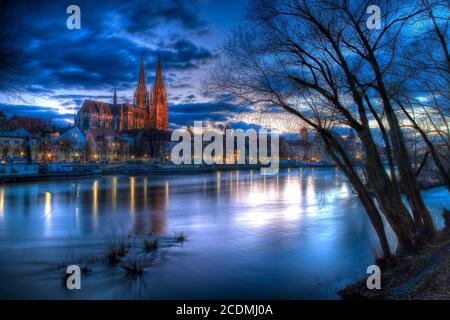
x=14, y=74
x=319, y=61
x=420, y=89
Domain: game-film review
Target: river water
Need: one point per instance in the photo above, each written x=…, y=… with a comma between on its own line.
x=299, y=235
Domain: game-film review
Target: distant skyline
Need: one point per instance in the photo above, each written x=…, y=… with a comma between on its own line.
x=69, y=66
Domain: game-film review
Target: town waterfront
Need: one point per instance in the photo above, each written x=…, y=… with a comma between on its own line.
x=300, y=234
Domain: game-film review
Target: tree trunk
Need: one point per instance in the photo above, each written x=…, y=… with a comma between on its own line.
x=366, y=200
x=442, y=170
x=388, y=196
x=422, y=216
x=422, y=163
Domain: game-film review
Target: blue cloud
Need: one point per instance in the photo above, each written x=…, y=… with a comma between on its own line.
x=45, y=113
x=102, y=52
x=185, y=114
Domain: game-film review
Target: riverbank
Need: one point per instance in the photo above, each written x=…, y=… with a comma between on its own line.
x=143, y=168
x=259, y=238
x=422, y=276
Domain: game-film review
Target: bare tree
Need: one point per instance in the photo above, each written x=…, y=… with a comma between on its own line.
x=318, y=61
x=14, y=75
x=421, y=90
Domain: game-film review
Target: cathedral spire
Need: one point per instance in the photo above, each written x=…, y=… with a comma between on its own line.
x=158, y=101
x=141, y=81
x=158, y=76
x=115, y=94
x=141, y=94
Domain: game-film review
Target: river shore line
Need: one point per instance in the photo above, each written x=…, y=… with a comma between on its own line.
x=137, y=169
x=421, y=276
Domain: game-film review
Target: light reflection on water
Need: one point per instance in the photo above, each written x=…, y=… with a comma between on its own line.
x=2, y=198
x=300, y=234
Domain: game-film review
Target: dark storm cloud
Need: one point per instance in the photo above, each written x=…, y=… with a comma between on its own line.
x=114, y=36
x=72, y=101
x=46, y=113
x=185, y=114
x=80, y=96
x=108, y=47
x=144, y=17
x=93, y=61
x=182, y=85
x=187, y=50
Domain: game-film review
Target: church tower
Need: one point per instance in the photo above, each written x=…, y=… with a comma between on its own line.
x=115, y=95
x=158, y=102
x=304, y=135
x=141, y=94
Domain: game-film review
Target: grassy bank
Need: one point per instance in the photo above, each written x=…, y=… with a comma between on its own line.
x=424, y=275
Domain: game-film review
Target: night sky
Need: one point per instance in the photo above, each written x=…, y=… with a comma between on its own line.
x=68, y=66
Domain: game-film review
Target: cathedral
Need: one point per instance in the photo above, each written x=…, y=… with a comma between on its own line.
x=148, y=111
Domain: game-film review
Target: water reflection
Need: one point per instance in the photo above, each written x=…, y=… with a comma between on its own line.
x=2, y=199
x=132, y=197
x=219, y=182
x=48, y=205
x=114, y=194
x=257, y=236
x=95, y=197
x=145, y=193
x=158, y=203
